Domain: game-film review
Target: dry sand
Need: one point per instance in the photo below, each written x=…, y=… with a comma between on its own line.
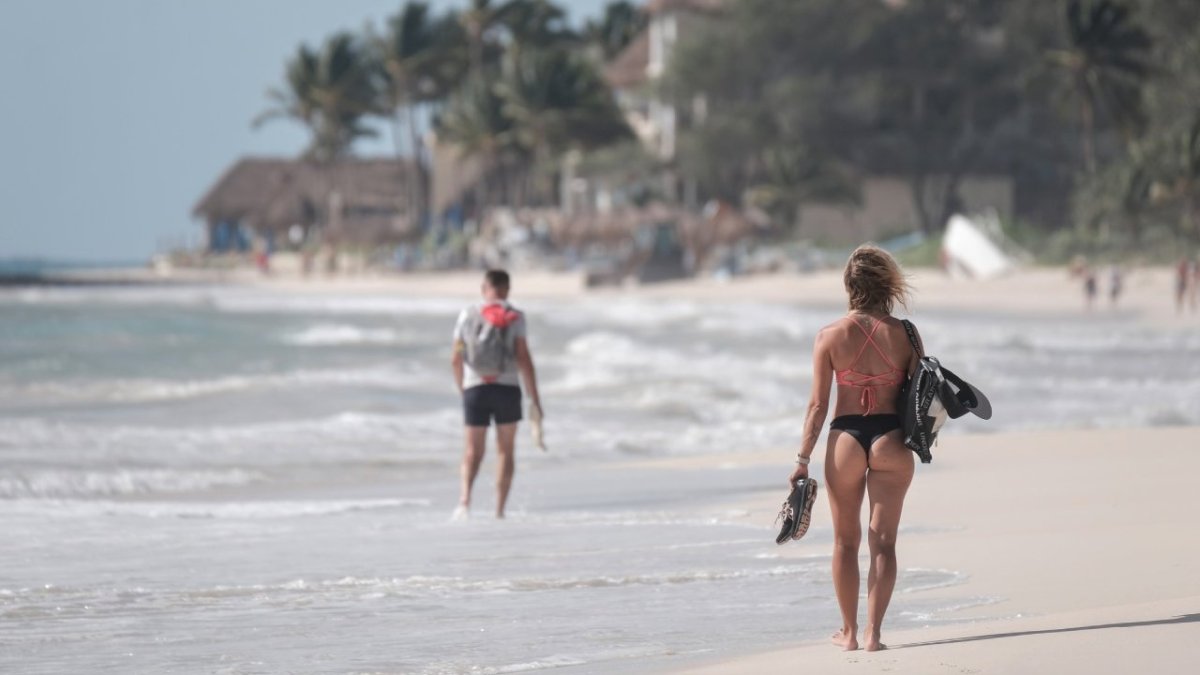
x=1148, y=293
x=1087, y=539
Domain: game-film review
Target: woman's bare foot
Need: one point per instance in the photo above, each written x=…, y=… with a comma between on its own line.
x=846, y=639
x=871, y=641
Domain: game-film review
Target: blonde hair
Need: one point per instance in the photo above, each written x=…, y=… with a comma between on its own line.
x=874, y=280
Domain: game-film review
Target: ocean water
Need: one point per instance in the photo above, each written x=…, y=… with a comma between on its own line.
x=217, y=480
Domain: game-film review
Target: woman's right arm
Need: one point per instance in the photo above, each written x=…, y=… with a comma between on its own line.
x=818, y=404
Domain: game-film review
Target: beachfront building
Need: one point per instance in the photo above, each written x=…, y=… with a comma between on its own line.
x=294, y=204
x=887, y=206
x=635, y=72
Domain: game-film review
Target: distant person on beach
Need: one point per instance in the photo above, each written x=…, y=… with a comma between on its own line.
x=1183, y=276
x=262, y=257
x=491, y=357
x=1089, y=288
x=1194, y=284
x=868, y=353
x=1116, y=280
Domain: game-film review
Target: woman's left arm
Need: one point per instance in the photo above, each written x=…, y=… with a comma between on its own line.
x=818, y=404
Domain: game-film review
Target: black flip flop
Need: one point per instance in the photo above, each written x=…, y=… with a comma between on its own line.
x=797, y=510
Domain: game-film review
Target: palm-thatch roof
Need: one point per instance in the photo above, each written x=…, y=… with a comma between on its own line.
x=353, y=199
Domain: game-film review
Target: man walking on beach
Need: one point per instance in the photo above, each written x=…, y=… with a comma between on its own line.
x=491, y=357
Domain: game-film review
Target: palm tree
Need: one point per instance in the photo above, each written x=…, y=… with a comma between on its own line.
x=1190, y=222
x=536, y=24
x=621, y=23
x=558, y=101
x=476, y=122
x=416, y=64
x=329, y=91
x=477, y=21
x=1107, y=60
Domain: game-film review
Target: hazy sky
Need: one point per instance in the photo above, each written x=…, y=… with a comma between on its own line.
x=119, y=114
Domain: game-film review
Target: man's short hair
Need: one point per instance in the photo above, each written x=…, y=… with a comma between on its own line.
x=497, y=279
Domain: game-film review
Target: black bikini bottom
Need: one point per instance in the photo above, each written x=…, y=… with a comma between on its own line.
x=866, y=429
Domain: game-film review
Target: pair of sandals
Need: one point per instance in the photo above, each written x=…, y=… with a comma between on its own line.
x=797, y=510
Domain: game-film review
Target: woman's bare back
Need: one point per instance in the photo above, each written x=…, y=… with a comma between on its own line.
x=875, y=366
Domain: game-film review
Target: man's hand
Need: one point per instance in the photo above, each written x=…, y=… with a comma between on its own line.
x=528, y=372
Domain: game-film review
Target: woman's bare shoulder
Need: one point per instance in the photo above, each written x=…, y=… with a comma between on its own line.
x=896, y=323
x=899, y=333
x=834, y=330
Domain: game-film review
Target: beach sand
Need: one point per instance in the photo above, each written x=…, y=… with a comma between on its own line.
x=1085, y=539
x=1148, y=292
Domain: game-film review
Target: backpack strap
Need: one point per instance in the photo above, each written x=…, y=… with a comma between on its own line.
x=911, y=330
x=912, y=337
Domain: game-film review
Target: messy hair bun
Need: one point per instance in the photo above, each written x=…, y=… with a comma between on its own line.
x=874, y=281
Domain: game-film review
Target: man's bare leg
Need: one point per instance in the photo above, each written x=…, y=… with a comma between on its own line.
x=506, y=436
x=476, y=441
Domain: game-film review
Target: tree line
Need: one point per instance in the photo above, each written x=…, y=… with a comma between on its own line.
x=1091, y=106
x=508, y=82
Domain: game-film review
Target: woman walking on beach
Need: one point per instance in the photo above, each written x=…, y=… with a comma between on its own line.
x=868, y=353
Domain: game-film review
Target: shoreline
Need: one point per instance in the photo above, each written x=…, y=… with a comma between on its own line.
x=1018, y=547
x=1072, y=558
x=1148, y=295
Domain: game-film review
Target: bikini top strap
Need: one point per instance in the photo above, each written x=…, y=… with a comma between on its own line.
x=871, y=341
x=861, y=349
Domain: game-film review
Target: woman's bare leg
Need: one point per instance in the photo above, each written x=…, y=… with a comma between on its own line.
x=845, y=478
x=887, y=482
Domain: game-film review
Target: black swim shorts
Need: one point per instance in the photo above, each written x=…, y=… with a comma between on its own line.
x=487, y=402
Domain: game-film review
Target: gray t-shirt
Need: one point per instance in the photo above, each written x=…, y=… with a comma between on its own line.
x=468, y=324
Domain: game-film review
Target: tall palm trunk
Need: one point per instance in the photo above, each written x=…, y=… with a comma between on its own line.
x=475, y=35
x=1190, y=212
x=418, y=179
x=1087, y=118
x=481, y=190
x=406, y=178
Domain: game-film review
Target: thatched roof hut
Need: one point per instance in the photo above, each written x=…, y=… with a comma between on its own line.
x=349, y=200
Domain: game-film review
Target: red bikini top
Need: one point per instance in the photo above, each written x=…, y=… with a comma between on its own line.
x=866, y=381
